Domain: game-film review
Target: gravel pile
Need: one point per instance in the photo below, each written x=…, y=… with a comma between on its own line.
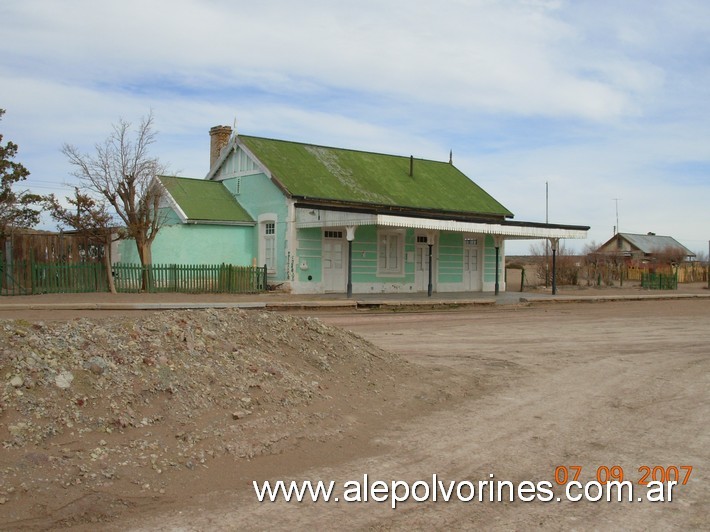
x=91, y=401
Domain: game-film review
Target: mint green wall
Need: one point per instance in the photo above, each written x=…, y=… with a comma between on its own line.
x=258, y=195
x=489, y=262
x=449, y=250
x=309, y=250
x=365, y=257
x=127, y=252
x=196, y=244
x=169, y=217
x=450, y=257
x=410, y=244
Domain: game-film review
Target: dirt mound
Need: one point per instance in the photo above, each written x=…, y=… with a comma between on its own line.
x=123, y=405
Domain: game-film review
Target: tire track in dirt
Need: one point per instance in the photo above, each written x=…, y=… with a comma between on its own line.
x=598, y=385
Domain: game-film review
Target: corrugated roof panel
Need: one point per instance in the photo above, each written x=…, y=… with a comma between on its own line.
x=653, y=243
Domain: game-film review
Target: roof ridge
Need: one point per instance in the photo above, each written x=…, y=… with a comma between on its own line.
x=643, y=234
x=342, y=149
x=188, y=178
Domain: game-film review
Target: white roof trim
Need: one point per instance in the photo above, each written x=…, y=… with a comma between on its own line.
x=514, y=231
x=168, y=197
x=324, y=218
x=234, y=144
x=220, y=222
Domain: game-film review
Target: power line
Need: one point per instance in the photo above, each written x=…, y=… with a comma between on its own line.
x=54, y=187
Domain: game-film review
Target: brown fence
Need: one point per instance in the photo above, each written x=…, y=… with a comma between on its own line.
x=67, y=248
x=692, y=272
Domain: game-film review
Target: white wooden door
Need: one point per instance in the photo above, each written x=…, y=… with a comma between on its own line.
x=421, y=264
x=334, y=266
x=472, y=274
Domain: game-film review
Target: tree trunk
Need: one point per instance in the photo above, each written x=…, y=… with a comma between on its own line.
x=107, y=263
x=146, y=257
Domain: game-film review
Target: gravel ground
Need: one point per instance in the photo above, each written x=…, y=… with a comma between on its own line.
x=118, y=404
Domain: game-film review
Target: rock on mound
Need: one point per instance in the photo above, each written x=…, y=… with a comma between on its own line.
x=92, y=401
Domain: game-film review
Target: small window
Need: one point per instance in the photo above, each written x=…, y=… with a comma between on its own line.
x=269, y=228
x=470, y=241
x=422, y=240
x=333, y=234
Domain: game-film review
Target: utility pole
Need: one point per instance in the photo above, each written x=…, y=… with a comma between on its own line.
x=616, y=201
x=547, y=242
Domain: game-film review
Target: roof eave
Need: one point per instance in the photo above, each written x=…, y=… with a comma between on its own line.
x=377, y=208
x=172, y=202
x=219, y=222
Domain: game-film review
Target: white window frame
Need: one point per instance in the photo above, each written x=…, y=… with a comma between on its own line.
x=391, y=264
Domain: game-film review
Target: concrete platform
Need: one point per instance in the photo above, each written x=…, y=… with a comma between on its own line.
x=330, y=302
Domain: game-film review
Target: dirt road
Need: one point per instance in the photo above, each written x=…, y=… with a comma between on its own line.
x=588, y=385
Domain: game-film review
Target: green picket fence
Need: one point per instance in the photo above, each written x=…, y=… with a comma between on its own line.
x=24, y=277
x=61, y=278
x=189, y=278
x=659, y=281
x=28, y=277
x=15, y=278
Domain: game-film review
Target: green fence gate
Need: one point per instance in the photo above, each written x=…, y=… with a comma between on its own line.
x=659, y=281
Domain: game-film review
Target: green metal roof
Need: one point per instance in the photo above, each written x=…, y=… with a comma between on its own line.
x=207, y=201
x=323, y=173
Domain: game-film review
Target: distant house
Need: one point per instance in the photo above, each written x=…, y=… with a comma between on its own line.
x=644, y=248
x=325, y=219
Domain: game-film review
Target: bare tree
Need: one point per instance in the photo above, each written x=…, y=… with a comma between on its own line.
x=667, y=260
x=567, y=268
x=669, y=256
x=593, y=262
x=91, y=218
x=123, y=172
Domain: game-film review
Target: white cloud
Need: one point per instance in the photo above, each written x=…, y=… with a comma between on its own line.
x=512, y=57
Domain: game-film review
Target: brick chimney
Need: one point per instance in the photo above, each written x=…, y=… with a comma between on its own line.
x=219, y=137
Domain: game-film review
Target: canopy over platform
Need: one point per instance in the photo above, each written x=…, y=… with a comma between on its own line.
x=508, y=229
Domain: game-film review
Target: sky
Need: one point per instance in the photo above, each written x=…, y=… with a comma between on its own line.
x=601, y=106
